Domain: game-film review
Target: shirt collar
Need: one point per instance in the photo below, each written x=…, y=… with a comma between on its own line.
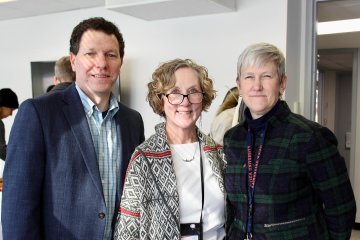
x=90, y=107
x=260, y=123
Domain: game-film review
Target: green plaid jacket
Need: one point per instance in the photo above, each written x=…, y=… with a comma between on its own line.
x=302, y=189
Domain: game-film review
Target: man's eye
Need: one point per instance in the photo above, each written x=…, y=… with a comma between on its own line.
x=90, y=54
x=112, y=55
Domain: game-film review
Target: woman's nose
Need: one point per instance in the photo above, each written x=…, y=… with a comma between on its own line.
x=185, y=101
x=257, y=83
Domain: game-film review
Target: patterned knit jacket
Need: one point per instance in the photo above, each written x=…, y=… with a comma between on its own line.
x=302, y=189
x=143, y=214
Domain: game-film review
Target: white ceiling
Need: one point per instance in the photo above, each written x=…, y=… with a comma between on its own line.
x=146, y=9
x=327, y=11
x=331, y=11
x=338, y=10
x=162, y=9
x=30, y=8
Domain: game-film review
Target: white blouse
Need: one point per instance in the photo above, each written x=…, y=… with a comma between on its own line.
x=188, y=181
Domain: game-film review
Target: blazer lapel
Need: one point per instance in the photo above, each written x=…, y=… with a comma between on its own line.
x=124, y=143
x=74, y=112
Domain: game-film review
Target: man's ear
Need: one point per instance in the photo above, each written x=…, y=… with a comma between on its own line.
x=72, y=61
x=56, y=80
x=122, y=62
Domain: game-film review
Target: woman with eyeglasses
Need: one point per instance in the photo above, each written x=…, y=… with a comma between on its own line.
x=174, y=183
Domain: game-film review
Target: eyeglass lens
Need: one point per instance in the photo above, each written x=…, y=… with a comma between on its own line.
x=178, y=98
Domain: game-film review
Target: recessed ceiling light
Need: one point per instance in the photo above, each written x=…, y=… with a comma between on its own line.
x=342, y=26
x=4, y=1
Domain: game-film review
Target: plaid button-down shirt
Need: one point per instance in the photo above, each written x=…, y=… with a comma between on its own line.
x=105, y=139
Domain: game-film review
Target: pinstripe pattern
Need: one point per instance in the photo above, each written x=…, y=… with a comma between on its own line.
x=302, y=189
x=104, y=136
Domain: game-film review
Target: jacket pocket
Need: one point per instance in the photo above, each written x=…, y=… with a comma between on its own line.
x=280, y=224
x=296, y=229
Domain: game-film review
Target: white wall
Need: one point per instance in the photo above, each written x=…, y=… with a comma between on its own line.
x=214, y=41
x=355, y=138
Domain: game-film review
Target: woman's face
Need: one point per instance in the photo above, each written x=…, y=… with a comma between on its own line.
x=260, y=88
x=183, y=116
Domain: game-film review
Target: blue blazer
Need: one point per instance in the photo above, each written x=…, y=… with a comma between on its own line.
x=52, y=187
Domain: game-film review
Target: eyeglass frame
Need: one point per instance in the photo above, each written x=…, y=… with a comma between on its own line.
x=184, y=95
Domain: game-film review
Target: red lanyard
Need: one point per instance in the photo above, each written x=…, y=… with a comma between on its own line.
x=252, y=178
x=252, y=172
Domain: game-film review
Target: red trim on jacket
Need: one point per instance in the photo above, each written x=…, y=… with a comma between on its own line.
x=162, y=154
x=127, y=212
x=207, y=148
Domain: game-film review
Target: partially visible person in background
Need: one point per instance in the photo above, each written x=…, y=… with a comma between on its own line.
x=8, y=103
x=174, y=183
x=285, y=178
x=49, y=88
x=230, y=100
x=64, y=74
x=229, y=114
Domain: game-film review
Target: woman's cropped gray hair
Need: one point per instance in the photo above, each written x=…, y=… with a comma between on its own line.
x=258, y=55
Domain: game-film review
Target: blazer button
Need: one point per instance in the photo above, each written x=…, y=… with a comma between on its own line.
x=101, y=215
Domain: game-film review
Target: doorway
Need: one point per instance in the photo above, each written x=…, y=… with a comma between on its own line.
x=336, y=77
x=337, y=82
x=304, y=47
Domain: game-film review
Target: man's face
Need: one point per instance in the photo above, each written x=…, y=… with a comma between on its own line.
x=97, y=64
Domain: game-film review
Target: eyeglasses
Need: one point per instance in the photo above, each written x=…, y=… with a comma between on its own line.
x=178, y=98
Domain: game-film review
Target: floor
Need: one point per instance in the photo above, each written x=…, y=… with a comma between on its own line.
x=355, y=235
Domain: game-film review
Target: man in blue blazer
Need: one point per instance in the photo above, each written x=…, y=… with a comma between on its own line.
x=68, y=151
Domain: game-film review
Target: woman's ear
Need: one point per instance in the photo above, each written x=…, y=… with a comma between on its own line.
x=283, y=83
x=238, y=85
